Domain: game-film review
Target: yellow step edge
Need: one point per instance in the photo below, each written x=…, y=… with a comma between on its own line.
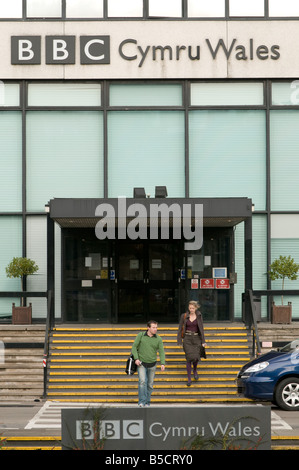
x=198, y=384
x=134, y=328
x=124, y=354
x=32, y=448
x=81, y=345
x=182, y=365
x=123, y=341
x=31, y=438
x=288, y=438
x=113, y=380
x=285, y=447
x=85, y=332
x=111, y=361
x=155, y=393
x=82, y=363
x=165, y=373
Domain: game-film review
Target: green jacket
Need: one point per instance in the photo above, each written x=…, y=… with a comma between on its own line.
x=145, y=348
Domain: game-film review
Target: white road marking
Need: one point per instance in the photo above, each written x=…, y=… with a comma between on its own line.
x=49, y=416
x=278, y=423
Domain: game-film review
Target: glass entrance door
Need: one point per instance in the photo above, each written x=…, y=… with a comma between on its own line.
x=148, y=281
x=86, y=285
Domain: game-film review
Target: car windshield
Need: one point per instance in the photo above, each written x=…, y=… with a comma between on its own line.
x=290, y=346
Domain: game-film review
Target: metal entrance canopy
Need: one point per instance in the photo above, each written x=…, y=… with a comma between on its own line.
x=217, y=212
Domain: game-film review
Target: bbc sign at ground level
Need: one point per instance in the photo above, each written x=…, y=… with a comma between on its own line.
x=168, y=427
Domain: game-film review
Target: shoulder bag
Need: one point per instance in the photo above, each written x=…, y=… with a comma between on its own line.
x=131, y=367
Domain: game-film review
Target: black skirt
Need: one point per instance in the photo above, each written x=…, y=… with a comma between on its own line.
x=191, y=347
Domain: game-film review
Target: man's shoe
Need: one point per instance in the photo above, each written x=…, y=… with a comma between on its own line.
x=195, y=376
x=188, y=384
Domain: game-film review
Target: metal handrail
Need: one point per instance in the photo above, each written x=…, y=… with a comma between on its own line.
x=49, y=322
x=251, y=323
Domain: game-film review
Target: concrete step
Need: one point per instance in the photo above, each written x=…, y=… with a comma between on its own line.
x=99, y=355
x=21, y=372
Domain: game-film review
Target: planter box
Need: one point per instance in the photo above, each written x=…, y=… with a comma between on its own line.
x=21, y=315
x=282, y=313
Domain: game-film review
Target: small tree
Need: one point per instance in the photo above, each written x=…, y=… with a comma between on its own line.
x=20, y=268
x=284, y=268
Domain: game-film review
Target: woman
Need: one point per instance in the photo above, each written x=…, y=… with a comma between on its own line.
x=191, y=335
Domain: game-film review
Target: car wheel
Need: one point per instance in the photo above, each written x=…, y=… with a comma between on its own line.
x=287, y=394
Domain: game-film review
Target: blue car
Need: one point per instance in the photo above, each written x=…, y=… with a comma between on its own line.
x=274, y=377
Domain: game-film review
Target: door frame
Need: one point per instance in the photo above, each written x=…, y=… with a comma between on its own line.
x=145, y=283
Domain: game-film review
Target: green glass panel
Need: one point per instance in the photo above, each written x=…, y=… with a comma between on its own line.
x=64, y=94
x=228, y=154
x=284, y=161
x=146, y=149
x=145, y=95
x=10, y=161
x=64, y=156
x=226, y=94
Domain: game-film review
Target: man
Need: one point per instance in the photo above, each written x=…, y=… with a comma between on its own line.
x=144, y=350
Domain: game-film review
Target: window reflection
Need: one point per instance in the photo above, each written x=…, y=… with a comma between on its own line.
x=247, y=8
x=285, y=8
x=11, y=9
x=172, y=8
x=128, y=8
x=44, y=8
x=204, y=9
x=86, y=9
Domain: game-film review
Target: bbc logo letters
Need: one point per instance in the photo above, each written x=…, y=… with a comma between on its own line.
x=27, y=50
x=165, y=428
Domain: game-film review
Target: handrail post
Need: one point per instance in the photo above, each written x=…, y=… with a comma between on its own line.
x=47, y=339
x=251, y=322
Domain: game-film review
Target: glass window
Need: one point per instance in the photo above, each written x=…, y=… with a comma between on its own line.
x=285, y=93
x=146, y=149
x=284, y=145
x=283, y=8
x=225, y=94
x=165, y=8
x=145, y=95
x=11, y=161
x=224, y=144
x=259, y=261
x=247, y=7
x=127, y=8
x=64, y=94
x=9, y=94
x=10, y=246
x=64, y=156
x=204, y=9
x=37, y=250
x=259, y=251
x=11, y=9
x=284, y=226
x=85, y=9
x=43, y=8
x=239, y=268
x=284, y=247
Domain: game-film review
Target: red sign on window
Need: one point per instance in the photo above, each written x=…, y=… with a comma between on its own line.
x=194, y=283
x=207, y=283
x=222, y=283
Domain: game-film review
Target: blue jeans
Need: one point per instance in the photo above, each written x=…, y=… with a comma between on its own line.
x=146, y=383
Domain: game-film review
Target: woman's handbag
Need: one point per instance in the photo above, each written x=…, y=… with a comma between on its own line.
x=202, y=352
x=183, y=325
x=131, y=366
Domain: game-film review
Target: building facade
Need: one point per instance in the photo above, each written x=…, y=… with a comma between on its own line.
x=101, y=97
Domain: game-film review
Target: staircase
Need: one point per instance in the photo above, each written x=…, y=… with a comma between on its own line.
x=88, y=365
